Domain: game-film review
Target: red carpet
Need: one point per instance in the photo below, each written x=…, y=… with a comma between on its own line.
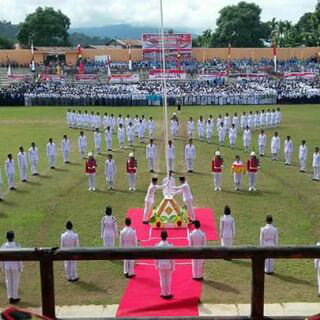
x=142, y=296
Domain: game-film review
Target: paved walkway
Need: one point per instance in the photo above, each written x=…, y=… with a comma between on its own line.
x=271, y=310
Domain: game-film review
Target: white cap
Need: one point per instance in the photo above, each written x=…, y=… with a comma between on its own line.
x=90, y=154
x=252, y=154
x=218, y=153
x=131, y=155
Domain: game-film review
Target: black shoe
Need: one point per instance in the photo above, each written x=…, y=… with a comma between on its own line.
x=1, y=199
x=74, y=280
x=126, y=275
x=52, y=167
x=269, y=273
x=24, y=180
x=12, y=188
x=145, y=222
x=11, y=301
x=17, y=300
x=169, y=296
x=131, y=276
x=197, y=279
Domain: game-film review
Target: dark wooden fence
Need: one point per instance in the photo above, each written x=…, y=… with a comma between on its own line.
x=46, y=257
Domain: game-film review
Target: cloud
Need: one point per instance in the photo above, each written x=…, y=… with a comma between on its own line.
x=196, y=14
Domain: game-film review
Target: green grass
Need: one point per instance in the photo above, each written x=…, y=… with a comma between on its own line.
x=37, y=211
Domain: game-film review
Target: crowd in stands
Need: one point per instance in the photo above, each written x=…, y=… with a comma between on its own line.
x=149, y=93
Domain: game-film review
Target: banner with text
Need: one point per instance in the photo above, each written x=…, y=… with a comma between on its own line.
x=171, y=74
x=212, y=76
x=124, y=78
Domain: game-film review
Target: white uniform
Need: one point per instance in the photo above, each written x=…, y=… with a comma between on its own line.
x=121, y=136
x=92, y=121
x=262, y=141
x=112, y=123
x=168, y=186
x=268, y=238
x=288, y=149
x=317, y=266
x=171, y=155
x=197, y=238
x=190, y=129
x=70, y=239
x=22, y=165
x=227, y=230
x=246, y=139
x=106, y=122
x=221, y=135
x=33, y=157
x=243, y=122
x=108, y=138
x=97, y=141
x=201, y=129
x=227, y=123
x=165, y=267
x=130, y=135
x=187, y=198
x=232, y=136
x=151, y=155
x=110, y=171
x=140, y=131
x=316, y=166
x=274, y=119
x=262, y=119
x=235, y=121
x=278, y=117
x=268, y=119
x=151, y=128
x=65, y=149
x=98, y=121
x=128, y=239
x=127, y=120
x=9, y=170
x=109, y=230
x=174, y=128
x=303, y=152
x=209, y=132
x=190, y=155
x=275, y=147
x=51, y=154
x=257, y=120
x=149, y=200
x=1, y=186
x=82, y=145
x=12, y=271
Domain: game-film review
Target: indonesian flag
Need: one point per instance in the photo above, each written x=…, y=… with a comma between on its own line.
x=274, y=54
x=33, y=67
x=81, y=67
x=130, y=60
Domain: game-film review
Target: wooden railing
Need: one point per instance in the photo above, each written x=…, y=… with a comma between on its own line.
x=46, y=257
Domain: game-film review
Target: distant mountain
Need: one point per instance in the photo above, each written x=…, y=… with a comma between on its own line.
x=8, y=30
x=120, y=31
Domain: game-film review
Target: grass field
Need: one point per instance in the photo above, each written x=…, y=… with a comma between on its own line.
x=37, y=211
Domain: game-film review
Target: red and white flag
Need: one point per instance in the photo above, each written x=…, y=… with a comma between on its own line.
x=130, y=59
x=274, y=54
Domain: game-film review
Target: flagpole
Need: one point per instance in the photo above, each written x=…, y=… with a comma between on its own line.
x=165, y=102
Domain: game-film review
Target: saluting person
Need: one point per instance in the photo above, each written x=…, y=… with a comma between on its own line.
x=70, y=239
x=109, y=230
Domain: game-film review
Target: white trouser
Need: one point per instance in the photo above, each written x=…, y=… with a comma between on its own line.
x=261, y=149
x=274, y=152
x=1, y=194
x=12, y=283
x=288, y=157
x=209, y=139
x=130, y=140
x=151, y=163
x=189, y=163
x=318, y=276
x=98, y=148
x=91, y=180
x=252, y=179
x=226, y=242
x=82, y=152
x=70, y=268
x=23, y=172
x=109, y=144
x=52, y=161
x=200, y=135
x=108, y=240
x=132, y=180
x=303, y=162
x=217, y=177
x=110, y=179
x=147, y=208
x=128, y=267
x=237, y=178
x=34, y=166
x=268, y=265
x=170, y=163
x=174, y=132
x=232, y=140
x=190, y=209
x=246, y=144
x=316, y=173
x=65, y=156
x=10, y=177
x=221, y=141
x=190, y=134
x=165, y=282
x=151, y=134
x=197, y=268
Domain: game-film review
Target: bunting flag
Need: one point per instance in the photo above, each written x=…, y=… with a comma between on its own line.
x=81, y=67
x=33, y=67
x=130, y=60
x=274, y=54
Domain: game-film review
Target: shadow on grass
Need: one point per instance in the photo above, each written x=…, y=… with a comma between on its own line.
x=22, y=191
x=292, y=279
x=201, y=173
x=60, y=170
x=9, y=203
x=75, y=164
x=26, y=304
x=220, y=286
x=241, y=263
x=90, y=287
x=44, y=176
x=3, y=215
x=33, y=183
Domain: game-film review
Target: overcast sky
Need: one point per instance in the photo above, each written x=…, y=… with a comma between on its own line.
x=197, y=14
